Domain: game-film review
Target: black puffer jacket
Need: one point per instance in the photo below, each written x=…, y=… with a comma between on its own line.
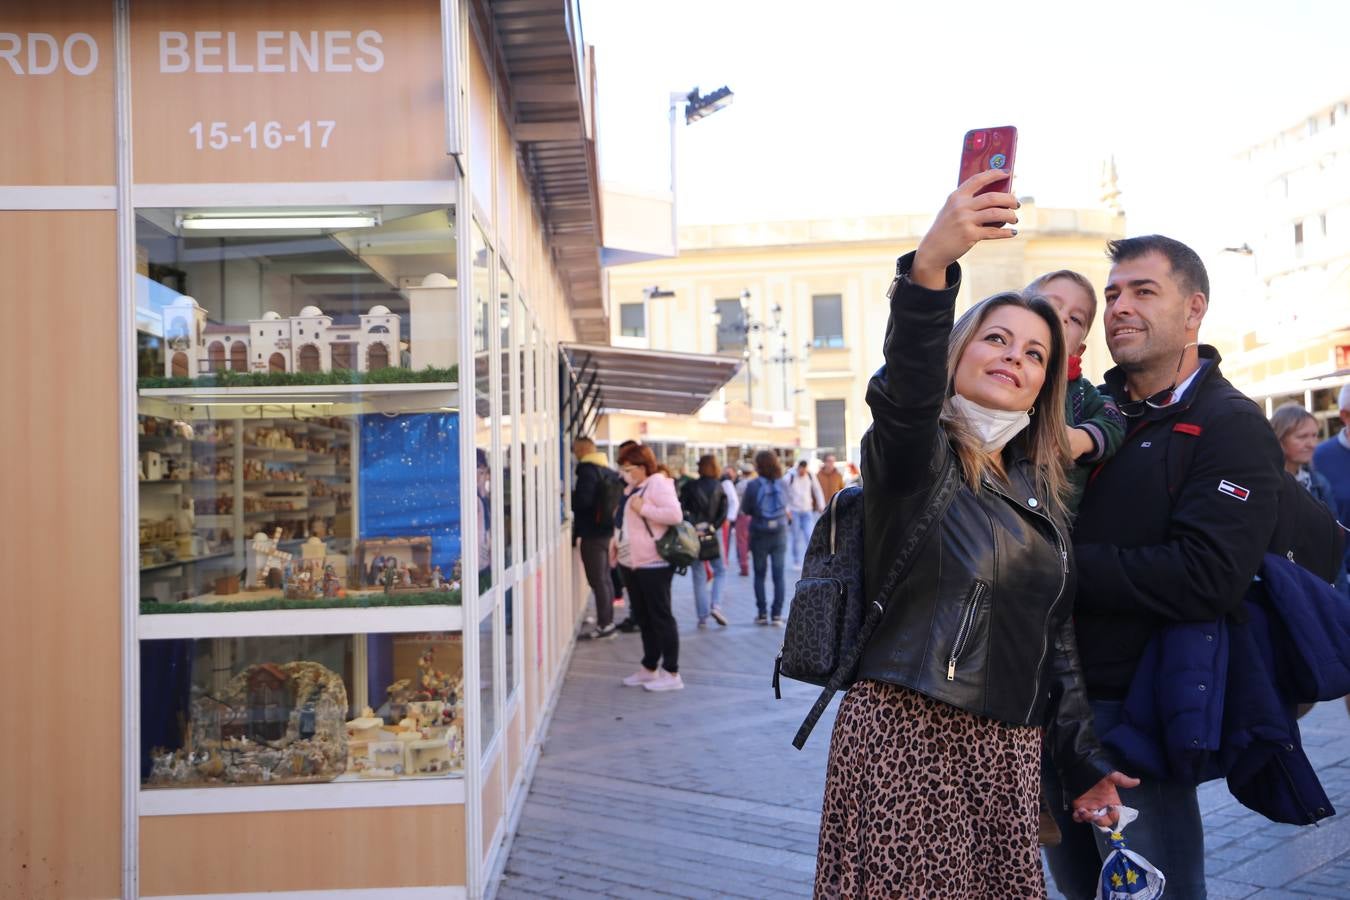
x=982, y=621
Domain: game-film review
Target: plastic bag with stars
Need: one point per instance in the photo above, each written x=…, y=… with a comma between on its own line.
x=1125, y=874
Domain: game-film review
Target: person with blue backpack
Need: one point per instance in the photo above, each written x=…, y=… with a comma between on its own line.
x=766, y=504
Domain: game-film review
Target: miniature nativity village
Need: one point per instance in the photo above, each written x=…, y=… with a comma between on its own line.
x=279, y=499
x=287, y=723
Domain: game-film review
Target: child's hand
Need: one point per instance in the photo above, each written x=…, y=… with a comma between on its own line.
x=1080, y=443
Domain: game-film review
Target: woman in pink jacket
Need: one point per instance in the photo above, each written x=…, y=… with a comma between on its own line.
x=650, y=508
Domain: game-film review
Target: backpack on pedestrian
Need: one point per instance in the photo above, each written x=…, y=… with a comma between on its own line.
x=607, y=497
x=707, y=510
x=770, y=507
x=831, y=621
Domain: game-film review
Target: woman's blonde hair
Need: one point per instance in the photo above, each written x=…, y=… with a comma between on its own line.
x=1045, y=439
x=1287, y=417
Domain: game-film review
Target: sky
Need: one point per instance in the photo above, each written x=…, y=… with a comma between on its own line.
x=854, y=108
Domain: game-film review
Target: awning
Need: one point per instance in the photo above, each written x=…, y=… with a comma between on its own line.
x=647, y=380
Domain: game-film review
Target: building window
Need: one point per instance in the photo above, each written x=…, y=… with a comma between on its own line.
x=730, y=326
x=1312, y=125
x=830, y=432
x=827, y=317
x=632, y=320
x=1298, y=239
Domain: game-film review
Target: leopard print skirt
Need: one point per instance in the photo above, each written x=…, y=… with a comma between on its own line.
x=926, y=800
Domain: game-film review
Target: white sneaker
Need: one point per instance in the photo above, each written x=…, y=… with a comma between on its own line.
x=641, y=677
x=665, y=681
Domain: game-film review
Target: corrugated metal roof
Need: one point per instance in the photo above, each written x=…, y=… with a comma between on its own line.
x=551, y=82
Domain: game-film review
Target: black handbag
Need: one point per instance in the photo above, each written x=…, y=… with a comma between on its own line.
x=831, y=621
x=709, y=545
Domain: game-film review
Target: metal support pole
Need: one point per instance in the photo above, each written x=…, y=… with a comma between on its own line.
x=675, y=101
x=749, y=379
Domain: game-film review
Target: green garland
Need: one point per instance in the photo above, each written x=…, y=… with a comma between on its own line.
x=419, y=598
x=227, y=379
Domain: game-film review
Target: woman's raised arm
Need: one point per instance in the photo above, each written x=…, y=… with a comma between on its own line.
x=907, y=393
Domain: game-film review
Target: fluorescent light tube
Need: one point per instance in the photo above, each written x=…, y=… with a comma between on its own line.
x=267, y=223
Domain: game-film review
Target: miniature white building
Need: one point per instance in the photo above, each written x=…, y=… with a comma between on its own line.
x=308, y=342
x=184, y=338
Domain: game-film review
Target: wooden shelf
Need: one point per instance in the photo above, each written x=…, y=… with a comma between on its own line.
x=315, y=400
x=187, y=561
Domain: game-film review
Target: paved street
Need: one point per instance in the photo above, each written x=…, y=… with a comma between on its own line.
x=699, y=793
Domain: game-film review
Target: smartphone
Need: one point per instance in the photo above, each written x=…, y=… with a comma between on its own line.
x=989, y=148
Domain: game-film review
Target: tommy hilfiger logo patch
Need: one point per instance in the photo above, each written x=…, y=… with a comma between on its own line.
x=1234, y=490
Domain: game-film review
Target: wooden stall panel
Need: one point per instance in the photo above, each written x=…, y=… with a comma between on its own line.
x=481, y=118
x=312, y=850
x=492, y=803
x=506, y=179
x=515, y=746
x=260, y=91
x=60, y=620
x=57, y=78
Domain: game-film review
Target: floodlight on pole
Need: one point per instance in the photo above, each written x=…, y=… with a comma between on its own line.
x=700, y=107
x=696, y=107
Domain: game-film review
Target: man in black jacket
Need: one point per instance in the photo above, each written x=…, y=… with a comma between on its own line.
x=593, y=527
x=1171, y=529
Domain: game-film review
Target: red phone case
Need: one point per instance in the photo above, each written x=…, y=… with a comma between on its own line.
x=989, y=148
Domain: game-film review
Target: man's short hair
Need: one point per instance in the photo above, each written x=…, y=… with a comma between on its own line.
x=1187, y=268
x=1343, y=400
x=583, y=445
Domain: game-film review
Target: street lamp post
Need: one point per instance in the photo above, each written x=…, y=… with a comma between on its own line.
x=783, y=358
x=747, y=326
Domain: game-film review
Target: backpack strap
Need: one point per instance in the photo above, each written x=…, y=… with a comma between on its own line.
x=939, y=499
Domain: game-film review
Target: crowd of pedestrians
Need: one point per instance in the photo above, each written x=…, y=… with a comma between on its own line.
x=747, y=508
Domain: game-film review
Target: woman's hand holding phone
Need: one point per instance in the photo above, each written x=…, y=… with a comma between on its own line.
x=967, y=218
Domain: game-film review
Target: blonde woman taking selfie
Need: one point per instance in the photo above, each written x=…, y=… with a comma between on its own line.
x=933, y=780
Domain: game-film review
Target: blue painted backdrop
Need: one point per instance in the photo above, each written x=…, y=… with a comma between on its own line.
x=410, y=481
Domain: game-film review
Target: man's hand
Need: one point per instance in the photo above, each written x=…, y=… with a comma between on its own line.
x=963, y=222
x=1101, y=795
x=1080, y=443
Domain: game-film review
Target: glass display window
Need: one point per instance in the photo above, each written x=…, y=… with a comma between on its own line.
x=525, y=431
x=298, y=424
x=484, y=333
x=223, y=712
x=487, y=680
x=510, y=420
x=511, y=615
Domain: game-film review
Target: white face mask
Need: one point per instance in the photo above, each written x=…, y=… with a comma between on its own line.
x=994, y=427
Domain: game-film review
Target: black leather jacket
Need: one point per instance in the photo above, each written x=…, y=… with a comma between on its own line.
x=983, y=620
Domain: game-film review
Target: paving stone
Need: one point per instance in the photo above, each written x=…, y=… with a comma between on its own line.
x=699, y=793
